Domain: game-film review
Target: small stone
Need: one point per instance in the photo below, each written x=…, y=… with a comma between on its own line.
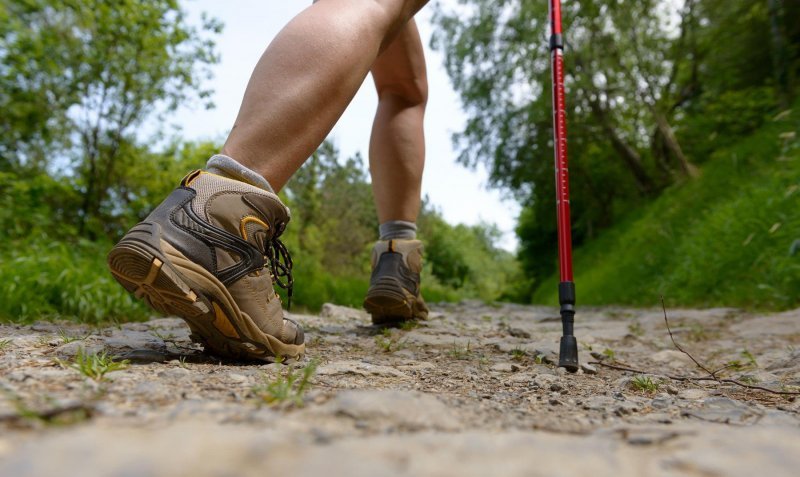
x=408, y=410
x=561, y=371
x=726, y=411
x=544, y=380
x=693, y=394
x=176, y=373
x=18, y=376
x=505, y=367
x=358, y=368
x=555, y=387
x=662, y=401
x=518, y=333
x=589, y=369
x=237, y=378
x=626, y=408
x=598, y=403
x=554, y=402
x=598, y=356
x=672, y=390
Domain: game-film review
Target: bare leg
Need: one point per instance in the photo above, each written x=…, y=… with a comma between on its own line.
x=307, y=77
x=397, y=144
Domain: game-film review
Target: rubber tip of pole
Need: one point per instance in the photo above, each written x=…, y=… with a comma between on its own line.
x=568, y=354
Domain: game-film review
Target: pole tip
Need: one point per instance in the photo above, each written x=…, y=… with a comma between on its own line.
x=568, y=354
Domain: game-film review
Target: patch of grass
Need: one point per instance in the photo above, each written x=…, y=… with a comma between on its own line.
x=610, y=354
x=95, y=365
x=645, y=383
x=518, y=354
x=44, y=340
x=50, y=279
x=698, y=332
x=636, y=329
x=54, y=416
x=747, y=355
x=389, y=345
x=751, y=380
x=459, y=353
x=287, y=388
x=723, y=239
x=67, y=338
x=409, y=325
x=163, y=337
x=6, y=343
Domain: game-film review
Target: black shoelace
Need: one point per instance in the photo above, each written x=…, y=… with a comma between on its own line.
x=280, y=265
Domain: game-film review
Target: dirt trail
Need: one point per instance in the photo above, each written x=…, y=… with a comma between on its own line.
x=470, y=392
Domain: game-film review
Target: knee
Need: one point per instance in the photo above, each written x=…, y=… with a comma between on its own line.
x=411, y=91
x=394, y=13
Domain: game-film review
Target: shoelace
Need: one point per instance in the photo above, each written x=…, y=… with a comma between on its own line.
x=280, y=265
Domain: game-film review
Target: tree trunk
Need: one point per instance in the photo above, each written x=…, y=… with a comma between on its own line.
x=628, y=154
x=671, y=142
x=780, y=68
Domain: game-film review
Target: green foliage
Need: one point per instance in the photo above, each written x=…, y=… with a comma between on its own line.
x=334, y=226
x=653, y=88
x=461, y=353
x=388, y=344
x=81, y=75
x=723, y=239
x=288, y=388
x=518, y=354
x=47, y=271
x=465, y=259
x=64, y=280
x=645, y=383
x=68, y=338
x=95, y=365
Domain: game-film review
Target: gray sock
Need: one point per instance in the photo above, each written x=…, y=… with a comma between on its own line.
x=398, y=229
x=228, y=167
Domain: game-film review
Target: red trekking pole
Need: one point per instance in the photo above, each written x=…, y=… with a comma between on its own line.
x=568, y=352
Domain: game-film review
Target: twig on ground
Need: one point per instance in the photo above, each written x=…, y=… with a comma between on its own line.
x=694, y=378
x=675, y=343
x=712, y=375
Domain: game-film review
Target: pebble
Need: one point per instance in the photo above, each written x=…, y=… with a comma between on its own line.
x=544, y=380
x=589, y=369
x=237, y=378
x=661, y=401
x=505, y=367
x=519, y=333
x=693, y=394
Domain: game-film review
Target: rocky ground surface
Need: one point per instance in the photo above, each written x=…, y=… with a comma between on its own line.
x=471, y=392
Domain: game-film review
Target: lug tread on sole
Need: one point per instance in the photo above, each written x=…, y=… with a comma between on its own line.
x=146, y=275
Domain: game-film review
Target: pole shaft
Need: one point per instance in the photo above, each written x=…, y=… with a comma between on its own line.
x=560, y=146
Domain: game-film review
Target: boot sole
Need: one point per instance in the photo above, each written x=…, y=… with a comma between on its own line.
x=170, y=283
x=389, y=303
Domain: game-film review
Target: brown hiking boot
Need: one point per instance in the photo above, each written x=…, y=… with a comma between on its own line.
x=210, y=254
x=394, y=294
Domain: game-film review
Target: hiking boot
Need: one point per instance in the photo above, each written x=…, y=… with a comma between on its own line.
x=394, y=294
x=210, y=254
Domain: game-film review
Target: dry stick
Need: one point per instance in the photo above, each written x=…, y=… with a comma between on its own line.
x=712, y=376
x=666, y=320
x=695, y=379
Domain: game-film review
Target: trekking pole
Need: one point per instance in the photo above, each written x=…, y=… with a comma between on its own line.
x=568, y=352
